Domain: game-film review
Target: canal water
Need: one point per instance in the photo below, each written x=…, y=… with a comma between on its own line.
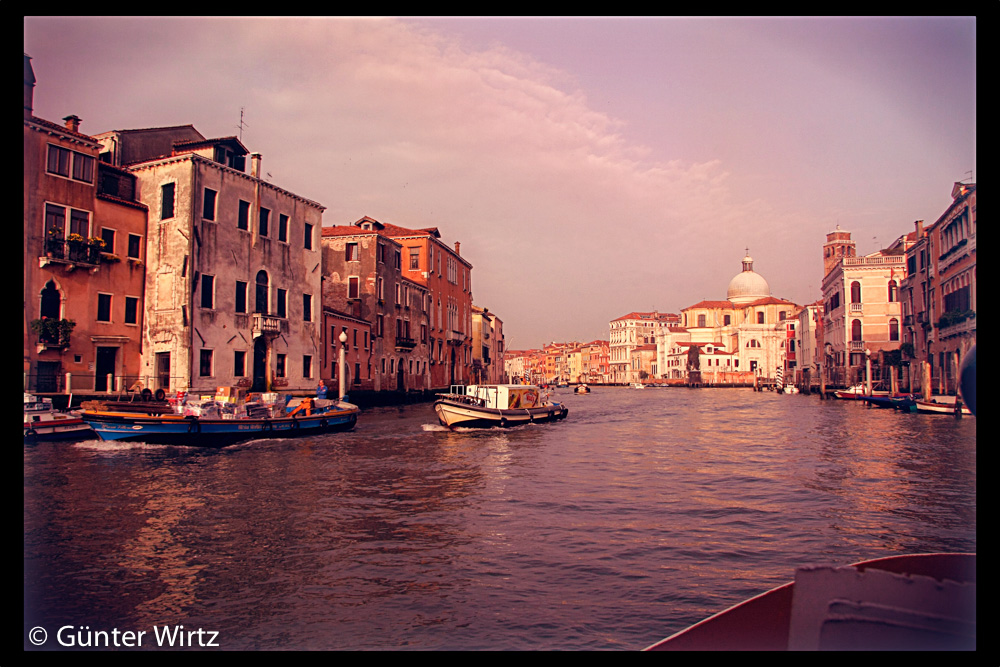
x=641, y=513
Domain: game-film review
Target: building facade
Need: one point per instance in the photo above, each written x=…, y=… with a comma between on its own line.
x=233, y=291
x=862, y=311
x=84, y=260
x=629, y=332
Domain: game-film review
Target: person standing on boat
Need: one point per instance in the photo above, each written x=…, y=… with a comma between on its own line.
x=321, y=390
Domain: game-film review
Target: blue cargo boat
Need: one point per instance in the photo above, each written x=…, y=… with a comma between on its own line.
x=156, y=426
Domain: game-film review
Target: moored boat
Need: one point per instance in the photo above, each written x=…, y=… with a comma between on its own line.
x=212, y=427
x=939, y=405
x=858, y=392
x=582, y=389
x=911, y=602
x=638, y=385
x=496, y=405
x=43, y=422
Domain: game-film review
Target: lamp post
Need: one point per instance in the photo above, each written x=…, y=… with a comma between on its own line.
x=342, y=367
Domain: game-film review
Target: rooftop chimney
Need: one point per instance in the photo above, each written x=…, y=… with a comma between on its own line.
x=72, y=123
x=29, y=86
x=457, y=247
x=255, y=165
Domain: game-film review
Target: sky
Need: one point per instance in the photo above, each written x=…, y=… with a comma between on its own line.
x=589, y=167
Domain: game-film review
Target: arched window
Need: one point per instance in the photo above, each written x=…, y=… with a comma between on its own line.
x=260, y=304
x=760, y=317
x=856, y=331
x=855, y=292
x=892, y=291
x=51, y=302
x=701, y=320
x=894, y=329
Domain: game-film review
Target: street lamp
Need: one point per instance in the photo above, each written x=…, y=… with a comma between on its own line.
x=342, y=388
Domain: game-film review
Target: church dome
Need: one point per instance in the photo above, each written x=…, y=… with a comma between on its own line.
x=748, y=286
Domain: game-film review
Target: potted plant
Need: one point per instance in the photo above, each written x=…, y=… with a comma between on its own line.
x=96, y=245
x=52, y=331
x=78, y=251
x=54, y=245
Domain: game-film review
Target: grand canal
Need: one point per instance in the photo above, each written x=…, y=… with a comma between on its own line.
x=641, y=513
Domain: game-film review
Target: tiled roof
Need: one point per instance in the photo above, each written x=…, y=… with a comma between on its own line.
x=711, y=304
x=48, y=124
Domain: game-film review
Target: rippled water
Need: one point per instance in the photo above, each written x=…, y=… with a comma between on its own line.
x=641, y=513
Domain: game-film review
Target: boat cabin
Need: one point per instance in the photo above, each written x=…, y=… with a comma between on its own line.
x=502, y=396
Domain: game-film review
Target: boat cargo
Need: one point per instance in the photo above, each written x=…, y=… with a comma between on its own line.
x=496, y=405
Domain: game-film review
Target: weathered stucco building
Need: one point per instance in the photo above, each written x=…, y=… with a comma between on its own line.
x=233, y=275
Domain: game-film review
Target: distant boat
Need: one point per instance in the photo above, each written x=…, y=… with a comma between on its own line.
x=638, y=385
x=503, y=405
x=582, y=389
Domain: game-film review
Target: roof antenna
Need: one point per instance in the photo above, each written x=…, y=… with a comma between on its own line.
x=241, y=125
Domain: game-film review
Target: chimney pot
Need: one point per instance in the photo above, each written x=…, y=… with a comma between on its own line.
x=457, y=247
x=72, y=123
x=255, y=165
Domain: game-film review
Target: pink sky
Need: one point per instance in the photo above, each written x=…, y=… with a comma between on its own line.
x=589, y=167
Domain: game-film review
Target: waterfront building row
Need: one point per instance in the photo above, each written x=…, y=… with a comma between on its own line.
x=154, y=259
x=560, y=362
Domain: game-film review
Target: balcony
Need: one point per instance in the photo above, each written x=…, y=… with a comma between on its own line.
x=265, y=325
x=455, y=337
x=72, y=254
x=857, y=308
x=405, y=344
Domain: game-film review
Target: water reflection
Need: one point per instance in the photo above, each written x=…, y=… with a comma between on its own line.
x=639, y=514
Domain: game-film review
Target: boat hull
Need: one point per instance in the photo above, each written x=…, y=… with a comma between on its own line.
x=762, y=623
x=68, y=428
x=197, y=432
x=935, y=408
x=452, y=413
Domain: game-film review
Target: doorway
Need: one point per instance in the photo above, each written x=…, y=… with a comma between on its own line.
x=163, y=370
x=259, y=365
x=106, y=357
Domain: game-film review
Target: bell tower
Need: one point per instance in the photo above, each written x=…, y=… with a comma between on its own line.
x=838, y=245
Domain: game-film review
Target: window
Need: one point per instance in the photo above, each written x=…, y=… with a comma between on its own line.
x=701, y=320
x=55, y=222
x=894, y=329
x=243, y=221
x=205, y=363
x=727, y=320
x=280, y=367
x=892, y=291
x=283, y=227
x=83, y=168
x=261, y=295
x=207, y=291
x=239, y=363
x=79, y=223
x=856, y=331
x=265, y=219
x=307, y=366
x=241, y=296
x=58, y=161
x=307, y=240
x=414, y=259
x=208, y=206
x=351, y=252
x=307, y=307
x=280, y=311
x=108, y=236
x=134, y=245
x=353, y=287
x=855, y=292
x=760, y=317
x=131, y=310
x=167, y=201
x=103, y=307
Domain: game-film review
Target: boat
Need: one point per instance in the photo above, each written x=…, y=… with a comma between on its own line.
x=897, y=401
x=858, y=392
x=582, y=389
x=912, y=602
x=638, y=385
x=209, y=423
x=42, y=422
x=502, y=405
x=939, y=405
